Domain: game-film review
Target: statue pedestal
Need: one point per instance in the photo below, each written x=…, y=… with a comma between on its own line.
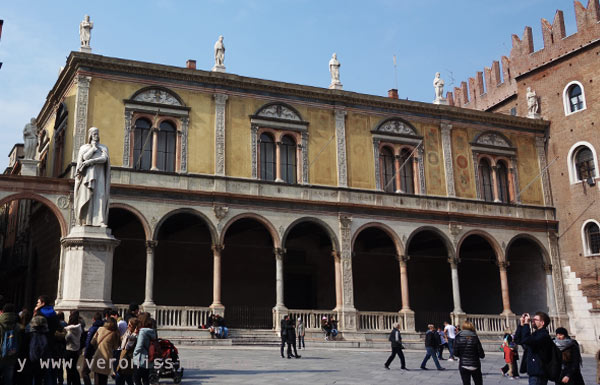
x=29, y=167
x=88, y=263
x=218, y=68
x=442, y=101
x=335, y=86
x=85, y=49
x=534, y=115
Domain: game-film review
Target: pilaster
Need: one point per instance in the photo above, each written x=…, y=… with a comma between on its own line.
x=340, y=135
x=81, y=115
x=541, y=155
x=448, y=164
x=220, y=103
x=348, y=312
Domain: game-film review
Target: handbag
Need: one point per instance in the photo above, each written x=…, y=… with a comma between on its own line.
x=125, y=358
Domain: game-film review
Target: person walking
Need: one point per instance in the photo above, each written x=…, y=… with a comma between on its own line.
x=450, y=332
x=469, y=351
x=571, y=358
x=538, y=345
x=300, y=331
x=396, y=340
x=510, y=357
x=432, y=343
x=443, y=343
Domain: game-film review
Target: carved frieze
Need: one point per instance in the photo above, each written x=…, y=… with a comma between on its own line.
x=279, y=111
x=492, y=139
x=157, y=96
x=397, y=127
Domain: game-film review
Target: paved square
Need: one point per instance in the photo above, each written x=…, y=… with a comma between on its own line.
x=264, y=365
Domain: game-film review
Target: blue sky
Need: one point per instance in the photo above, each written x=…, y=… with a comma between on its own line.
x=284, y=40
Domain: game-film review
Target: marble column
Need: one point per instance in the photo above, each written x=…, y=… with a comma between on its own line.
x=220, y=103
x=149, y=292
x=154, y=149
x=405, y=313
x=216, y=305
x=340, y=134
x=503, y=265
x=349, y=322
x=279, y=310
x=455, y=284
x=447, y=152
x=551, y=298
x=278, y=161
x=397, y=166
x=495, y=183
x=338, y=280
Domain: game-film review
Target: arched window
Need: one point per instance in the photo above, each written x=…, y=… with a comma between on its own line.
x=142, y=145
x=485, y=177
x=386, y=159
x=574, y=97
x=167, y=134
x=267, y=157
x=288, y=159
x=584, y=163
x=592, y=238
x=406, y=172
x=502, y=180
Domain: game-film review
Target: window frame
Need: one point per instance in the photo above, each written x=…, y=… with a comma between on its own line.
x=585, y=239
x=572, y=165
x=567, y=99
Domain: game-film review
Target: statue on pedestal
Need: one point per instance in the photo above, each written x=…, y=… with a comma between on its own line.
x=334, y=70
x=85, y=33
x=30, y=139
x=438, y=85
x=92, y=182
x=219, y=55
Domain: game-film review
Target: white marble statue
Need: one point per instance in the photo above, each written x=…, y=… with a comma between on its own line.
x=438, y=85
x=30, y=139
x=219, y=54
x=85, y=32
x=92, y=182
x=334, y=69
x=532, y=103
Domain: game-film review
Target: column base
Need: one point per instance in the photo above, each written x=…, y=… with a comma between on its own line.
x=347, y=319
x=150, y=307
x=29, y=167
x=279, y=311
x=458, y=317
x=409, y=319
x=218, y=308
x=507, y=313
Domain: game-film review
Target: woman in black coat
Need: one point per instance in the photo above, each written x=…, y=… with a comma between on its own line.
x=468, y=349
x=291, y=338
x=571, y=358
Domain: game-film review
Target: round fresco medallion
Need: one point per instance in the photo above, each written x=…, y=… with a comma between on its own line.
x=433, y=159
x=462, y=161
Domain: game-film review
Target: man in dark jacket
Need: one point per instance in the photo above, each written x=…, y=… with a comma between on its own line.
x=538, y=345
x=283, y=332
x=396, y=341
x=432, y=343
x=9, y=326
x=44, y=308
x=134, y=311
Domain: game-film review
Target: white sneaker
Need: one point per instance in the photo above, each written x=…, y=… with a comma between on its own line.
x=450, y=359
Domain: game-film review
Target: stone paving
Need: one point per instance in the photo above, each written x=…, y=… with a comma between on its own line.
x=264, y=365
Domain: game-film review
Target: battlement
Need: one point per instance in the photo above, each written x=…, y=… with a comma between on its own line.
x=488, y=89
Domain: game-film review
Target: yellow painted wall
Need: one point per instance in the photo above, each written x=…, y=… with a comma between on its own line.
x=359, y=151
x=323, y=167
x=70, y=99
x=49, y=127
x=435, y=179
x=238, y=140
x=464, y=170
x=201, y=136
x=528, y=168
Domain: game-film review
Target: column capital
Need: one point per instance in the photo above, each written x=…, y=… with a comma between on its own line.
x=446, y=126
x=336, y=255
x=453, y=260
x=151, y=245
x=217, y=247
x=220, y=98
x=402, y=258
x=548, y=268
x=503, y=265
x=279, y=253
x=339, y=113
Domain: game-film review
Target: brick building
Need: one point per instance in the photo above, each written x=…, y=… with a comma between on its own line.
x=563, y=76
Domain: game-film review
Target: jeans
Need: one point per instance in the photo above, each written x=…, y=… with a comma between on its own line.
x=467, y=374
x=431, y=353
x=124, y=379
x=451, y=347
x=533, y=380
x=7, y=372
x=301, y=342
x=396, y=351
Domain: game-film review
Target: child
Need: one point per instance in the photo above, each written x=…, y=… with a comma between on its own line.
x=510, y=357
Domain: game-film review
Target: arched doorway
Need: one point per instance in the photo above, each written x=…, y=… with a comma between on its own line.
x=526, y=276
x=479, y=277
x=248, y=275
x=376, y=272
x=30, y=250
x=429, y=279
x=183, y=269
x=129, y=260
x=309, y=268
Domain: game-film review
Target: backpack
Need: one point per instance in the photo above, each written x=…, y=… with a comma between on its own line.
x=552, y=367
x=154, y=350
x=38, y=347
x=9, y=344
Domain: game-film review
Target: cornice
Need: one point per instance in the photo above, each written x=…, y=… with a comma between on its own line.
x=78, y=61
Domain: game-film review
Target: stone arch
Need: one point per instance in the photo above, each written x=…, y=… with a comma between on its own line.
x=259, y=218
x=213, y=232
x=489, y=238
x=64, y=227
x=545, y=255
x=332, y=235
x=137, y=214
x=386, y=229
x=449, y=245
x=158, y=95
